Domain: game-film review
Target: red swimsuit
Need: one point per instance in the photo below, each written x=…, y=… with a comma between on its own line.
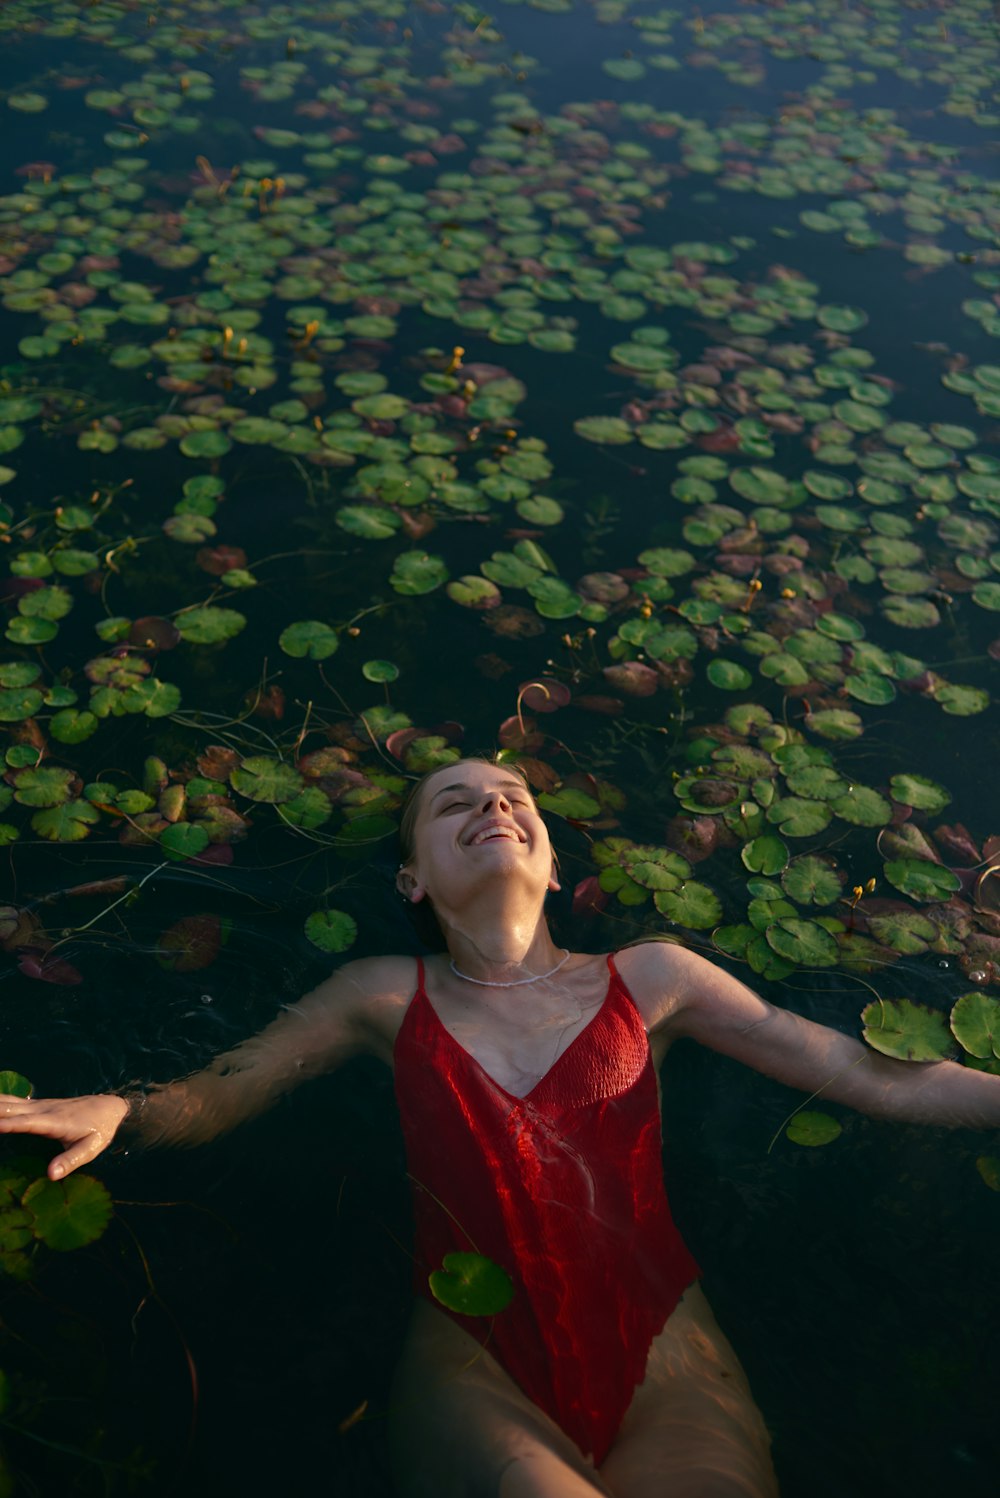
x=564, y=1188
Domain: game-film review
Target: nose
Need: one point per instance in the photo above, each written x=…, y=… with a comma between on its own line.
x=496, y=799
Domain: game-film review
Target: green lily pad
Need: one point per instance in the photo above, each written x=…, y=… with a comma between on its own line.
x=729, y=676
x=12, y=1084
x=372, y=522
x=922, y=880
x=183, y=840
x=309, y=638
x=18, y=703
x=906, y=931
x=765, y=855
x=908, y=1031
x=264, y=779
x=471, y=1285
x=417, y=572
x=960, y=701
x=606, y=430
x=209, y=625
x=863, y=807
x=842, y=319
x=811, y=880
x=919, y=792
x=69, y=1213
x=835, y=723
x=384, y=671
x=798, y=817
x=67, y=823
x=576, y=805
x=813, y=1128
x=975, y=1023
x=474, y=592
x=205, y=445
x=331, y=930
x=693, y=905
x=804, y=943
x=46, y=785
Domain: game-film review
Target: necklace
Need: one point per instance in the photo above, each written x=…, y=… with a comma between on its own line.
x=518, y=982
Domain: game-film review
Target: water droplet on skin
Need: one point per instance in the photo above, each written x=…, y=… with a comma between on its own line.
x=978, y=976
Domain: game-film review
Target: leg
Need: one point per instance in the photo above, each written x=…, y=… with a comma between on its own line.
x=459, y=1427
x=692, y=1430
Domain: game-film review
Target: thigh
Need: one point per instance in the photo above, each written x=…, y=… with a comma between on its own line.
x=693, y=1429
x=459, y=1426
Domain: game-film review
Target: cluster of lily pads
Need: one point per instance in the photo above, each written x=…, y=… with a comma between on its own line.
x=266, y=309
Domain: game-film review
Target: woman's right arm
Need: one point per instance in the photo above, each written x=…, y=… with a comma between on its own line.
x=339, y=1019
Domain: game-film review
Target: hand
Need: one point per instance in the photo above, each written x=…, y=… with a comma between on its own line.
x=85, y=1125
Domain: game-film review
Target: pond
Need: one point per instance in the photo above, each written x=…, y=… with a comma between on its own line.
x=610, y=384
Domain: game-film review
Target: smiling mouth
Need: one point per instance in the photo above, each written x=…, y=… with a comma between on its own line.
x=491, y=834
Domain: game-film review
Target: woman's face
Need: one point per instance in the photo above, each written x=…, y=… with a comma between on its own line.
x=477, y=822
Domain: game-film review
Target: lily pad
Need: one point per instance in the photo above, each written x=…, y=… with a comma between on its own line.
x=908, y=1031
x=471, y=1285
x=309, y=638
x=331, y=930
x=922, y=880
x=975, y=1023
x=813, y=1129
x=568, y=802
x=69, y=1213
x=264, y=779
x=919, y=792
x=693, y=905
x=804, y=943
x=209, y=625
x=417, y=572
x=811, y=880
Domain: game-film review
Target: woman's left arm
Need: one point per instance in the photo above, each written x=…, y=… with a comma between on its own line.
x=682, y=994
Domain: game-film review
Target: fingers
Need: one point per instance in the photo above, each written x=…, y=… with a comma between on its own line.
x=79, y=1153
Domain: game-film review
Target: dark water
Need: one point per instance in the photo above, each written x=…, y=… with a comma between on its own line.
x=248, y=1299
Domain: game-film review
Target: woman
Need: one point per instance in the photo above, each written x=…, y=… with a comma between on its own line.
x=528, y=1095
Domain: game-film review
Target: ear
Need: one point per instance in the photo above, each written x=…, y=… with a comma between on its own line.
x=553, y=883
x=409, y=887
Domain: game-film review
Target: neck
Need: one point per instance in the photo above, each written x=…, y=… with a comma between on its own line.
x=497, y=940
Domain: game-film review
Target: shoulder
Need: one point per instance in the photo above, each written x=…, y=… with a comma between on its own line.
x=664, y=978
x=369, y=997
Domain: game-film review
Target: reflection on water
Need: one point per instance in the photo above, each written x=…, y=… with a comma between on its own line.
x=363, y=368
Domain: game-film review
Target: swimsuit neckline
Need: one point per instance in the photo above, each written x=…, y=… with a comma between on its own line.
x=467, y=1054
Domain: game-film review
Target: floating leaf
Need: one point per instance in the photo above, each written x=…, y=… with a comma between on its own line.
x=576, y=805
x=922, y=880
x=309, y=638
x=975, y=1023
x=813, y=1128
x=331, y=930
x=728, y=675
x=209, y=625
x=805, y=943
x=14, y=1085
x=416, y=572
x=811, y=881
x=765, y=855
x=471, y=1285
x=67, y=823
x=908, y=1031
x=263, y=779
x=183, y=840
x=919, y=792
x=693, y=905
x=69, y=1213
